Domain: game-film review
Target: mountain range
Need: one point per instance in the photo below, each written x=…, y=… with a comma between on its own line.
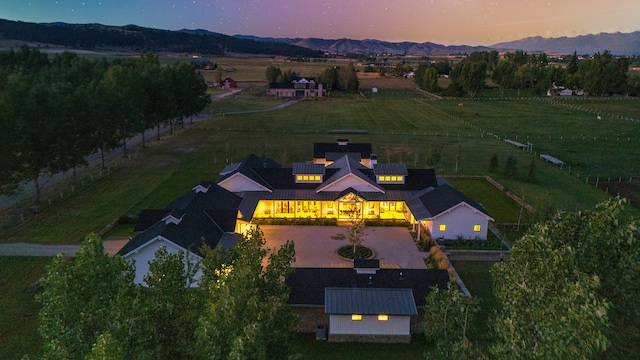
x=617, y=43
x=373, y=46
x=97, y=36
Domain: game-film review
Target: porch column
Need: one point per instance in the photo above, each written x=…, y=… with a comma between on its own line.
x=419, y=230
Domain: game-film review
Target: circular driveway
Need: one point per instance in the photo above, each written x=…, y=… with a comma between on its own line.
x=316, y=245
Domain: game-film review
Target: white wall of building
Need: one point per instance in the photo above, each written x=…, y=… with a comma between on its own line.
x=460, y=221
x=147, y=253
x=369, y=325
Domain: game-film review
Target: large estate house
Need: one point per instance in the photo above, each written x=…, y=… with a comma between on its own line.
x=302, y=87
x=344, y=181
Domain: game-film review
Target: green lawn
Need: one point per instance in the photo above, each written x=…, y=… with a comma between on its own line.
x=502, y=208
x=307, y=347
x=475, y=275
x=19, y=311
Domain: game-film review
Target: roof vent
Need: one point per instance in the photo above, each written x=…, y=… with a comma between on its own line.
x=343, y=142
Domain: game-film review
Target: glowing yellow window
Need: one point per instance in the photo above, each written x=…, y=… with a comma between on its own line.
x=394, y=178
x=316, y=178
x=383, y=317
x=442, y=227
x=356, y=317
x=476, y=228
x=305, y=178
x=299, y=177
x=400, y=178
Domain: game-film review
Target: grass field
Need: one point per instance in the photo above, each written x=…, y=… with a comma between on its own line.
x=18, y=309
x=402, y=124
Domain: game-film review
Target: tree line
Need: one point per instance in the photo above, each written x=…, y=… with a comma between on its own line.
x=56, y=111
x=601, y=75
x=136, y=38
x=91, y=309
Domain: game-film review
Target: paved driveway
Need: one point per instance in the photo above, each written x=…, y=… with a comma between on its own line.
x=316, y=245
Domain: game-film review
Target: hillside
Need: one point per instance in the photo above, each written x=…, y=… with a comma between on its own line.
x=373, y=46
x=617, y=43
x=136, y=38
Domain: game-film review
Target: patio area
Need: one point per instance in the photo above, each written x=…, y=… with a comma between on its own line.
x=316, y=245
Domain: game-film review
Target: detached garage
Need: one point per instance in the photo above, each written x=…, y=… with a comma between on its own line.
x=369, y=314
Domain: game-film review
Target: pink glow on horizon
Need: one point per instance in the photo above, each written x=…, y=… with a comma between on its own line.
x=469, y=22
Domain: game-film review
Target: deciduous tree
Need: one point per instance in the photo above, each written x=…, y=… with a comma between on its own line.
x=83, y=299
x=246, y=315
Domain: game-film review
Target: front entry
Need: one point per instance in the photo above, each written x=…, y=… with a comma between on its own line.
x=350, y=206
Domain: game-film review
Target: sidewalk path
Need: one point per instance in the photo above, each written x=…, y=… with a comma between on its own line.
x=111, y=247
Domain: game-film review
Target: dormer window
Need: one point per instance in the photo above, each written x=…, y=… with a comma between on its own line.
x=308, y=173
x=390, y=173
x=391, y=179
x=308, y=178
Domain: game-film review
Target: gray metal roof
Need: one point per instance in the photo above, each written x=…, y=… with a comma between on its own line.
x=390, y=169
x=230, y=168
x=369, y=301
x=314, y=169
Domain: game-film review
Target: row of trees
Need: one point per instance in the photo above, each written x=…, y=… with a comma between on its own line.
x=54, y=112
x=92, y=310
x=601, y=75
x=568, y=290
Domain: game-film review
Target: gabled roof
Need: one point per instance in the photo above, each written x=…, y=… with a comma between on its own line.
x=247, y=167
x=370, y=301
x=204, y=218
x=443, y=198
x=308, y=284
x=349, y=168
x=320, y=150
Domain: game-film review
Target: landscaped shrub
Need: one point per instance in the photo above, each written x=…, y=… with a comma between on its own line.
x=362, y=252
x=377, y=222
x=426, y=242
x=305, y=221
x=438, y=258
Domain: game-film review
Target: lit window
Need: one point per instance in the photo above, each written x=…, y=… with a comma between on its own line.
x=442, y=227
x=305, y=178
x=299, y=177
x=400, y=178
x=316, y=178
x=383, y=317
x=387, y=178
x=356, y=317
x=476, y=228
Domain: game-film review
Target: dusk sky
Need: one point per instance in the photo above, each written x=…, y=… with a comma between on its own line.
x=449, y=22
